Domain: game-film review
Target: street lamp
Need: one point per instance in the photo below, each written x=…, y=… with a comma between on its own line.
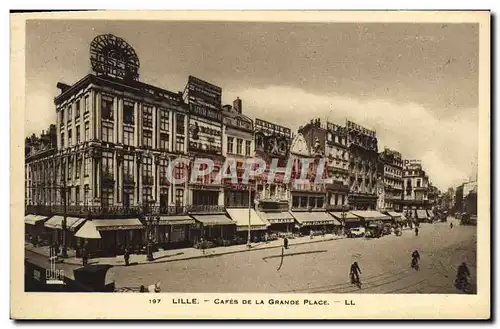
x=151, y=222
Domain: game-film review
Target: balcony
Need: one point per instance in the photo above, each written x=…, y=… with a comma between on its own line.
x=207, y=209
x=84, y=211
x=337, y=207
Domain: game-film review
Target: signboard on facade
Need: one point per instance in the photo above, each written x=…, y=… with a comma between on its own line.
x=202, y=92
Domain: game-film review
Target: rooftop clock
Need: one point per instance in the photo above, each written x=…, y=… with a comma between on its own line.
x=112, y=56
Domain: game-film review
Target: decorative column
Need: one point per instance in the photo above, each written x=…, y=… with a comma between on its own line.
x=136, y=123
x=135, y=200
x=119, y=120
x=115, y=121
x=115, y=175
x=156, y=180
x=97, y=119
x=154, y=134
x=81, y=160
x=120, y=177
x=91, y=115
x=139, y=173
x=171, y=141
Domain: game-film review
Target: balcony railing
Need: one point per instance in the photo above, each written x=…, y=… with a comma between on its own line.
x=337, y=207
x=205, y=209
x=83, y=211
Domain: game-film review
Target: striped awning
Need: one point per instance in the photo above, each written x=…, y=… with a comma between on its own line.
x=88, y=231
x=345, y=216
x=34, y=219
x=72, y=223
x=214, y=220
x=176, y=220
x=370, y=215
x=242, y=216
x=397, y=216
x=276, y=217
x=315, y=218
x=118, y=224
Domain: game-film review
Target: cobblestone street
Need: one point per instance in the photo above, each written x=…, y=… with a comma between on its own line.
x=322, y=267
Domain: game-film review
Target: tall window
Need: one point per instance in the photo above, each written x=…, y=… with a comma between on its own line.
x=77, y=135
x=147, y=169
x=164, y=141
x=78, y=168
x=205, y=198
x=163, y=171
x=179, y=144
x=147, y=116
x=107, y=107
x=128, y=112
x=179, y=197
x=247, y=148
x=70, y=137
x=62, y=116
x=164, y=120
x=86, y=166
x=107, y=133
x=87, y=131
x=128, y=167
x=77, y=108
x=147, y=139
x=77, y=195
x=147, y=194
x=179, y=122
x=70, y=170
x=87, y=104
x=128, y=196
x=128, y=135
x=418, y=182
x=70, y=113
x=107, y=164
x=230, y=141
x=295, y=201
x=239, y=146
x=179, y=171
x=62, y=140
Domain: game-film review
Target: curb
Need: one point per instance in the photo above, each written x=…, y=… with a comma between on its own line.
x=203, y=256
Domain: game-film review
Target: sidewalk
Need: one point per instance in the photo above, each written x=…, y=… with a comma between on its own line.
x=186, y=253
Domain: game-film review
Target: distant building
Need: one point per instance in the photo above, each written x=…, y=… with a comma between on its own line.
x=415, y=185
x=363, y=157
x=390, y=170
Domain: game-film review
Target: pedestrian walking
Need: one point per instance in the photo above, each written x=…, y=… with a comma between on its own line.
x=416, y=231
x=85, y=256
x=451, y=225
x=285, y=243
x=126, y=256
x=354, y=273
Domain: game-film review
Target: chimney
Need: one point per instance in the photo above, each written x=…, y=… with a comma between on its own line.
x=62, y=87
x=238, y=106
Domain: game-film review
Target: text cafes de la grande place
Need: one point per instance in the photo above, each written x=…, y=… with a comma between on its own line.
x=127, y=163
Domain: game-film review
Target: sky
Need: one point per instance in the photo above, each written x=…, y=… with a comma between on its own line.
x=415, y=84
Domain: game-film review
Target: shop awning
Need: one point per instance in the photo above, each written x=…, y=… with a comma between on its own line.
x=34, y=219
x=315, y=218
x=118, y=224
x=371, y=215
x=397, y=216
x=276, y=217
x=422, y=214
x=88, y=231
x=213, y=220
x=348, y=217
x=72, y=223
x=176, y=220
x=240, y=216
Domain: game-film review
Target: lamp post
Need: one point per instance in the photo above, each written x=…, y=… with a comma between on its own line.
x=151, y=222
x=249, y=238
x=64, y=191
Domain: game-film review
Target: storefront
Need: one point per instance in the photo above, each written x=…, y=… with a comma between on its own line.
x=174, y=231
x=279, y=221
x=55, y=225
x=214, y=227
x=315, y=222
x=397, y=217
x=119, y=233
x=347, y=220
x=35, y=232
x=246, y=218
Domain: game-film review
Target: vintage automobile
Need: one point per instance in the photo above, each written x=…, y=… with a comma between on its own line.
x=357, y=232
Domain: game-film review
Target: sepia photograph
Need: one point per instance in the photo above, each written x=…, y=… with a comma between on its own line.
x=295, y=159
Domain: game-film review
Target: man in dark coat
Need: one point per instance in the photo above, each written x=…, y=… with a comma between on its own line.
x=85, y=256
x=355, y=272
x=285, y=242
x=126, y=256
x=416, y=231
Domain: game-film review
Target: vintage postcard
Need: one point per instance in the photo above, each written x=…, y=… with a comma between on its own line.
x=250, y=165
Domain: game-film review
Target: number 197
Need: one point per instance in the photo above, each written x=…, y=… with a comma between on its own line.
x=154, y=300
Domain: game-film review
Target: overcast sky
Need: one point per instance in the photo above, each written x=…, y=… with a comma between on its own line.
x=415, y=84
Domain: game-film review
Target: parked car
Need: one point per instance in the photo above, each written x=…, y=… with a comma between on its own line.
x=357, y=232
